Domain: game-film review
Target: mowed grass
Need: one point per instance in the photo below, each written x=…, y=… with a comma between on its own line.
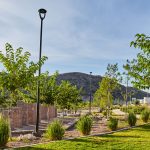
x=133, y=139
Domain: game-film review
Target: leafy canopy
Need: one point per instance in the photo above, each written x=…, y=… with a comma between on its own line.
x=18, y=73
x=68, y=96
x=48, y=89
x=139, y=68
x=103, y=95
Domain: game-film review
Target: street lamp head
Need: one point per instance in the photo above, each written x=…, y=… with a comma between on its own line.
x=42, y=13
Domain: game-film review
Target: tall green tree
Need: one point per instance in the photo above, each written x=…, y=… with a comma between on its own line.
x=48, y=89
x=68, y=96
x=103, y=96
x=18, y=71
x=139, y=68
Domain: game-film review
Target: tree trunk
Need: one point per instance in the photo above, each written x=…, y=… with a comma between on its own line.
x=48, y=115
x=108, y=106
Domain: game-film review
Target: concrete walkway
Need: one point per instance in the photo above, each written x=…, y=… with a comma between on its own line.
x=118, y=112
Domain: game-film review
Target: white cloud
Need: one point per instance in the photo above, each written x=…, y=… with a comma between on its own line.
x=73, y=30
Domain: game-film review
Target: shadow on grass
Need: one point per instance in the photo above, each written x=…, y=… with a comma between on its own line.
x=120, y=136
x=108, y=136
x=29, y=148
x=144, y=128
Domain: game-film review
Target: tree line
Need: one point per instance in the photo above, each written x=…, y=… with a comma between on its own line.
x=18, y=80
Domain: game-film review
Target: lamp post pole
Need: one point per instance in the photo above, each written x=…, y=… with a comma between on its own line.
x=90, y=95
x=42, y=14
x=127, y=89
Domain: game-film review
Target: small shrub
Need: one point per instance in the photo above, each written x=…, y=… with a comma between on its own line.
x=4, y=130
x=145, y=115
x=137, y=102
x=113, y=123
x=135, y=109
x=116, y=107
x=55, y=131
x=104, y=112
x=138, y=109
x=84, y=125
x=132, y=119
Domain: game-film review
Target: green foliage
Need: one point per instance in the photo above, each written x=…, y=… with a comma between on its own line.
x=132, y=119
x=65, y=95
x=68, y=96
x=139, y=68
x=138, y=109
x=4, y=130
x=135, y=109
x=137, y=102
x=55, y=131
x=48, y=89
x=18, y=73
x=145, y=115
x=133, y=139
x=103, y=93
x=84, y=125
x=113, y=123
x=116, y=107
x=104, y=112
x=107, y=86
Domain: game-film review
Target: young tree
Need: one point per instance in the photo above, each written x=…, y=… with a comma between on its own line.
x=108, y=84
x=18, y=73
x=48, y=89
x=68, y=96
x=139, y=68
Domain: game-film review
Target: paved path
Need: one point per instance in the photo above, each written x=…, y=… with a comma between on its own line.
x=118, y=112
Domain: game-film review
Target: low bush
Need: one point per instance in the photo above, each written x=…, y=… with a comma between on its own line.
x=113, y=123
x=55, y=131
x=138, y=109
x=84, y=125
x=145, y=115
x=104, y=112
x=137, y=102
x=135, y=109
x=116, y=107
x=132, y=119
x=4, y=130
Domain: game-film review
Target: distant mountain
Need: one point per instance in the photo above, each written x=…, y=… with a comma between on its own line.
x=82, y=80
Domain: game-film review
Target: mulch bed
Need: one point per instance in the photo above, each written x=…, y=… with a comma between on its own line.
x=99, y=126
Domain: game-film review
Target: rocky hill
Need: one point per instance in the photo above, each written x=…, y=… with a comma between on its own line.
x=82, y=80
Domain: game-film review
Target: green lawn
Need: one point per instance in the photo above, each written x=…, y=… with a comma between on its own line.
x=134, y=139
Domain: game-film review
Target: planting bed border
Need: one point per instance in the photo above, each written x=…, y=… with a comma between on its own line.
x=99, y=134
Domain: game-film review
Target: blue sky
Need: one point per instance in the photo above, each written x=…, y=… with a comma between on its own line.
x=79, y=35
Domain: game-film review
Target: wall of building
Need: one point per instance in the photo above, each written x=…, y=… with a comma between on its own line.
x=146, y=100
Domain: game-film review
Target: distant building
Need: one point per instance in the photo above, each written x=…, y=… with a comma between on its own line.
x=146, y=100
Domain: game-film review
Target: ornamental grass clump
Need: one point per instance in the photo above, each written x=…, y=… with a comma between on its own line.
x=145, y=115
x=4, y=130
x=84, y=125
x=55, y=130
x=113, y=123
x=132, y=119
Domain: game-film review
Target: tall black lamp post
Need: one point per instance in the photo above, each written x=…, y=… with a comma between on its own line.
x=42, y=14
x=90, y=95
